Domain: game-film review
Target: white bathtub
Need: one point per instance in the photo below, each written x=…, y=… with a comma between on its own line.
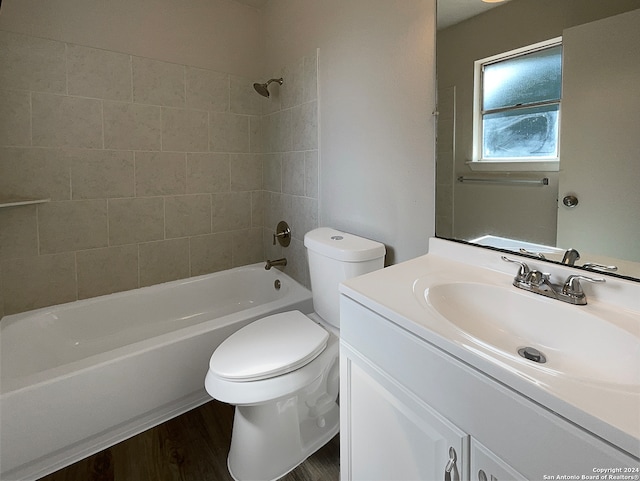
x=79, y=377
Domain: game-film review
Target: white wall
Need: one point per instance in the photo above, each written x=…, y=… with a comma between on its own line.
x=376, y=96
x=219, y=35
x=376, y=86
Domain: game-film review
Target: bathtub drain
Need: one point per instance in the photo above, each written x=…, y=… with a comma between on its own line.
x=277, y=284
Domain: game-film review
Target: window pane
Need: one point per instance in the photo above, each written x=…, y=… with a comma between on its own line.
x=531, y=132
x=533, y=77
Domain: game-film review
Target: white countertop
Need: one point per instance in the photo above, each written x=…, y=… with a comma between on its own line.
x=610, y=411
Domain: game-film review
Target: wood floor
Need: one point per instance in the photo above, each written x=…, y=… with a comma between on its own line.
x=191, y=447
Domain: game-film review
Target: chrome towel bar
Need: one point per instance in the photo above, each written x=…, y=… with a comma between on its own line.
x=504, y=180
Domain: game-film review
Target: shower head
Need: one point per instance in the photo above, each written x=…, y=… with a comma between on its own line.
x=263, y=89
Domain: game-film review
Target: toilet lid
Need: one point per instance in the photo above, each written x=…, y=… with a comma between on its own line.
x=269, y=347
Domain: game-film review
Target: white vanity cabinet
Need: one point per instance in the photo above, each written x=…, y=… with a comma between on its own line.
x=392, y=434
x=487, y=466
x=405, y=402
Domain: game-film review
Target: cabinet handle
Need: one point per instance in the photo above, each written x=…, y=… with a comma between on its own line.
x=451, y=470
x=482, y=476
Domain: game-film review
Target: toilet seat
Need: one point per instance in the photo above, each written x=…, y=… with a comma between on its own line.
x=267, y=390
x=269, y=347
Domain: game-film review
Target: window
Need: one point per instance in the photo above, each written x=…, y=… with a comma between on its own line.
x=517, y=108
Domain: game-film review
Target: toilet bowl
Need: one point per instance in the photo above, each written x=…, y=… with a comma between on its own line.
x=282, y=371
x=281, y=419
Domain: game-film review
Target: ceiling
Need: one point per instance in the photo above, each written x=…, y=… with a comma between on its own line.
x=254, y=3
x=449, y=11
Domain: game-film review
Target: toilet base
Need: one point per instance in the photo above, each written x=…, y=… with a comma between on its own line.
x=269, y=440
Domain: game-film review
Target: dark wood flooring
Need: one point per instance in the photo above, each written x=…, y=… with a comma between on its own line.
x=190, y=447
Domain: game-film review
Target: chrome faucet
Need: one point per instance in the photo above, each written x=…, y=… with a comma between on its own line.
x=570, y=257
x=539, y=282
x=277, y=262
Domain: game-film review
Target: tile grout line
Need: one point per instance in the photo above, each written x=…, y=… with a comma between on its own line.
x=30, y=118
x=75, y=270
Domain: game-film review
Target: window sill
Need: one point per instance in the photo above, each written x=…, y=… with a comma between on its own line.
x=517, y=166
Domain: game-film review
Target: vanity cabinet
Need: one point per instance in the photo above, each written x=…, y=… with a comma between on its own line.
x=487, y=466
x=392, y=434
x=405, y=402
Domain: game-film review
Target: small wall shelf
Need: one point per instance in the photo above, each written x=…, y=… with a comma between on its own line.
x=16, y=201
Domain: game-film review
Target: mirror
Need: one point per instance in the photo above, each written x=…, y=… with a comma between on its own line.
x=509, y=210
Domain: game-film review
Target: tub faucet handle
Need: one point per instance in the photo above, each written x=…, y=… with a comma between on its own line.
x=283, y=234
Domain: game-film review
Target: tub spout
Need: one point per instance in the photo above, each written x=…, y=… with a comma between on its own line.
x=278, y=262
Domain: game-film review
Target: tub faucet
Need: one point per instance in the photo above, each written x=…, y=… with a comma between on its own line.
x=277, y=262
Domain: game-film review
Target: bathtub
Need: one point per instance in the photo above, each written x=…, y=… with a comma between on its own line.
x=79, y=377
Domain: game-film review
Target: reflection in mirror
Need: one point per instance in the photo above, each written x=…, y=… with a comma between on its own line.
x=511, y=207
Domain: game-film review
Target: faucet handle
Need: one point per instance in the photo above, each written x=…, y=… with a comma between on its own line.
x=539, y=255
x=572, y=285
x=283, y=234
x=599, y=267
x=522, y=272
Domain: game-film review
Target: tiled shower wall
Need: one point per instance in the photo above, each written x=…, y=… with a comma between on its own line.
x=154, y=171
x=289, y=136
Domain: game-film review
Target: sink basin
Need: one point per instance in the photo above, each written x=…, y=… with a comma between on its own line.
x=575, y=341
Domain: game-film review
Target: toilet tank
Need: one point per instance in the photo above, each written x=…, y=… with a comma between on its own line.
x=334, y=257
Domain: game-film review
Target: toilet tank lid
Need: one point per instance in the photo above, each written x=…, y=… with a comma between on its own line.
x=342, y=246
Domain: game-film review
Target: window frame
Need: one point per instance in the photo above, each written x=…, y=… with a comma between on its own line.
x=515, y=163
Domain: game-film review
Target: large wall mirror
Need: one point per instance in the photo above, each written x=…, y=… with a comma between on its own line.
x=591, y=201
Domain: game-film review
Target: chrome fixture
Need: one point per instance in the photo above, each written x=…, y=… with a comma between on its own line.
x=532, y=354
x=504, y=180
x=263, y=89
x=539, y=255
x=570, y=201
x=570, y=257
x=539, y=283
x=451, y=470
x=599, y=267
x=283, y=234
x=278, y=262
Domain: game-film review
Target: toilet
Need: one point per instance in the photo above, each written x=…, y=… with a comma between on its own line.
x=282, y=372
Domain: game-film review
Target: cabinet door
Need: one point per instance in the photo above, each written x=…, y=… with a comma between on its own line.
x=486, y=466
x=390, y=435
